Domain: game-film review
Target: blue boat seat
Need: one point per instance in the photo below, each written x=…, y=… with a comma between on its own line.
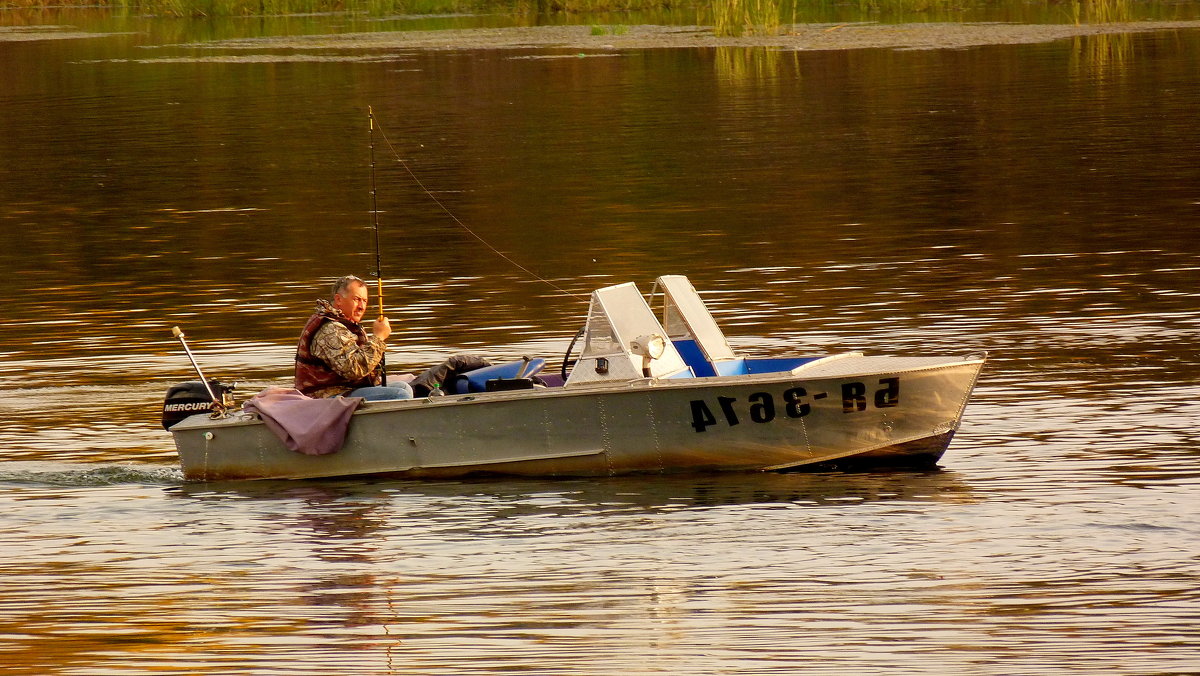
x=732, y=367
x=694, y=357
x=775, y=364
x=702, y=368
x=476, y=381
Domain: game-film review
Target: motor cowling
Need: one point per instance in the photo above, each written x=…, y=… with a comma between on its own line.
x=188, y=399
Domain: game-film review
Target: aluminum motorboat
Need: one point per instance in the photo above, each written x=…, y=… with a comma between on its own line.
x=649, y=393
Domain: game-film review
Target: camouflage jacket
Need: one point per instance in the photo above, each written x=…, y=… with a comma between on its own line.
x=335, y=355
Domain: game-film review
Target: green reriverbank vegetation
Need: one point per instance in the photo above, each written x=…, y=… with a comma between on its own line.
x=368, y=7
x=727, y=17
x=771, y=17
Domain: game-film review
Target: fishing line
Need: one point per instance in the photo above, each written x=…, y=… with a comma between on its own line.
x=462, y=225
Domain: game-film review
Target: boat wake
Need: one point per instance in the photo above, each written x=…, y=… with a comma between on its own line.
x=64, y=474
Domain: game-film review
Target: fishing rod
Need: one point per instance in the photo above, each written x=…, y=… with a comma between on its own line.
x=375, y=221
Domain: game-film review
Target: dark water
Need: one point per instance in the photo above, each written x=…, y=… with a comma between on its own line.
x=1041, y=202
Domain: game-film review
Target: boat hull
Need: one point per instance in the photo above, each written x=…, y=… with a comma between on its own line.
x=866, y=410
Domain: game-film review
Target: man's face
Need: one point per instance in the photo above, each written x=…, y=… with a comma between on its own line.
x=352, y=301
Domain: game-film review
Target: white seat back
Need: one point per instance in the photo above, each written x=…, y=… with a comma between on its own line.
x=686, y=317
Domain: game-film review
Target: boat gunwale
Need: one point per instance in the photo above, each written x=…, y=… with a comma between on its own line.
x=239, y=418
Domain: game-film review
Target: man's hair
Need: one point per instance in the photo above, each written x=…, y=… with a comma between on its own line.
x=345, y=282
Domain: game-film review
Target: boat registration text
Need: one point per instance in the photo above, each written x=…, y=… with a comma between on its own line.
x=760, y=407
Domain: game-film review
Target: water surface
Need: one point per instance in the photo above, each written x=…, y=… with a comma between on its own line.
x=1040, y=202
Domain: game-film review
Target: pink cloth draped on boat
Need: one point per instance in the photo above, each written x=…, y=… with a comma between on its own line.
x=305, y=425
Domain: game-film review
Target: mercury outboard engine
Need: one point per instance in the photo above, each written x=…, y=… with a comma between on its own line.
x=190, y=398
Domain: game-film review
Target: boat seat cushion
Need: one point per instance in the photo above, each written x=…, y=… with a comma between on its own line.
x=701, y=367
x=731, y=367
x=476, y=381
x=694, y=357
x=775, y=364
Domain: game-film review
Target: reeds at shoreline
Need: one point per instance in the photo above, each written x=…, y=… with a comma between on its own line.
x=1101, y=11
x=770, y=17
x=747, y=17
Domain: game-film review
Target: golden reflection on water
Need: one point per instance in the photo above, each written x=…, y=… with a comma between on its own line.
x=752, y=65
x=1101, y=56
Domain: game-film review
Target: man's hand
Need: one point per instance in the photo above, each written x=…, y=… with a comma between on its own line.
x=381, y=328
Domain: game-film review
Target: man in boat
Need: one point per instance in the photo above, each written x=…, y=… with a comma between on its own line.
x=336, y=356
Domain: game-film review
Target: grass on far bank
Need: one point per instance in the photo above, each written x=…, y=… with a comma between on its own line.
x=727, y=17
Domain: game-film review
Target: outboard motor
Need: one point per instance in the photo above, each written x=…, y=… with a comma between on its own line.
x=188, y=399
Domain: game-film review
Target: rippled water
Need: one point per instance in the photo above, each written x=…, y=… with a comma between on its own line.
x=1041, y=202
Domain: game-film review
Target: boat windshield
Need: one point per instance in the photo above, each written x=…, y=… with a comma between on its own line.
x=686, y=317
x=619, y=326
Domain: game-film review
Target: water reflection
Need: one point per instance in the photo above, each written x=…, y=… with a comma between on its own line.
x=1101, y=56
x=618, y=494
x=752, y=65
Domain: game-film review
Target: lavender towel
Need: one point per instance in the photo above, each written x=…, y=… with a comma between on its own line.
x=306, y=425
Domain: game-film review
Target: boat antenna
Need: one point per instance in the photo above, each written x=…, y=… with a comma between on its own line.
x=375, y=222
x=462, y=225
x=217, y=405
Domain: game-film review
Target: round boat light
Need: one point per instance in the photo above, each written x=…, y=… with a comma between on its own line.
x=651, y=346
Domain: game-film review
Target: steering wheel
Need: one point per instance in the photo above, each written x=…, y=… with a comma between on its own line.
x=567, y=357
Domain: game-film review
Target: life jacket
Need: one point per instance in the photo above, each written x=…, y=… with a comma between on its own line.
x=313, y=374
